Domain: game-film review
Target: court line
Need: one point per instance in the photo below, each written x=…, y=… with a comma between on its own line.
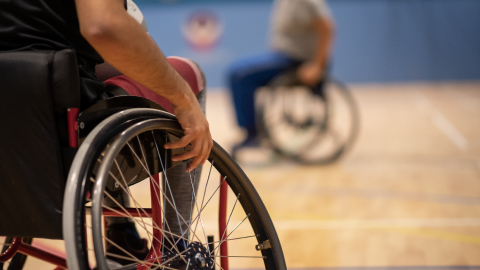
x=384, y=194
x=374, y=223
x=450, y=131
x=441, y=122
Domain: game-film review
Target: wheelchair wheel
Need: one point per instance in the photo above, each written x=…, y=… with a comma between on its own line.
x=309, y=125
x=18, y=261
x=125, y=154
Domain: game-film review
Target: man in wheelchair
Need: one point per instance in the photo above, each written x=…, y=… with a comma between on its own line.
x=103, y=30
x=301, y=38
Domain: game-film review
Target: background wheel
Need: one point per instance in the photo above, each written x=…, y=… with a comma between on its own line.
x=311, y=126
x=18, y=261
x=140, y=145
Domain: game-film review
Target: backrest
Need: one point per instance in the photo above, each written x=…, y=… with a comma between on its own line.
x=36, y=88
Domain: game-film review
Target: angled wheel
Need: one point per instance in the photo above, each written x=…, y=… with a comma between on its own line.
x=18, y=261
x=313, y=125
x=179, y=231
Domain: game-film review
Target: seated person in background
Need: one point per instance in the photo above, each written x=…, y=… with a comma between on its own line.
x=101, y=30
x=301, y=36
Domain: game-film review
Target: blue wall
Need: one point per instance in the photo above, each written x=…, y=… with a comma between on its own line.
x=377, y=40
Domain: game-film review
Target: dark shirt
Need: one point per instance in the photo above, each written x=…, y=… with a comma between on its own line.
x=44, y=25
x=27, y=25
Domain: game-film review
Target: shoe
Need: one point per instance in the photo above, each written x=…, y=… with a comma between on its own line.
x=125, y=235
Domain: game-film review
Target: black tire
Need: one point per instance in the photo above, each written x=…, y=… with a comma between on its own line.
x=300, y=122
x=18, y=261
x=147, y=127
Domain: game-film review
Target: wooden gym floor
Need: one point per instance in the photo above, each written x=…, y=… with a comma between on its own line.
x=406, y=197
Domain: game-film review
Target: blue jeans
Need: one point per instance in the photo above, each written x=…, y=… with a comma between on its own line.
x=248, y=74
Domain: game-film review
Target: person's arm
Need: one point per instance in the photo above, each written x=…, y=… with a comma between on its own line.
x=312, y=71
x=122, y=42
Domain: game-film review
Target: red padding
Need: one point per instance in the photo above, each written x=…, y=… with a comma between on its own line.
x=72, y=115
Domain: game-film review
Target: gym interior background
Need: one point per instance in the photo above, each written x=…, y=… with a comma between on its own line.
x=408, y=194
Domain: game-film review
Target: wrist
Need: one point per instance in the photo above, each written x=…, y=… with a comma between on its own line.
x=185, y=102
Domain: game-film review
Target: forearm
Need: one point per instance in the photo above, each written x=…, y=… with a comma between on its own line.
x=311, y=72
x=122, y=42
x=325, y=32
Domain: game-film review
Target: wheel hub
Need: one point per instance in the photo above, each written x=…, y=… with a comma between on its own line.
x=199, y=257
x=201, y=262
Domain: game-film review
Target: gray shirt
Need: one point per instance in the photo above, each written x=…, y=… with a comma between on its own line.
x=292, y=29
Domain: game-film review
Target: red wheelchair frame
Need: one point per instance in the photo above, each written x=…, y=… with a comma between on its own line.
x=17, y=244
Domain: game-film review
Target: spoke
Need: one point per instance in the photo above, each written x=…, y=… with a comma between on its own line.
x=198, y=209
x=128, y=215
x=157, y=184
x=167, y=183
x=135, y=220
x=119, y=247
x=226, y=226
x=125, y=267
x=238, y=238
x=232, y=231
x=127, y=190
x=238, y=225
x=191, y=205
x=206, y=204
x=154, y=259
x=204, y=192
x=164, y=184
x=122, y=257
x=154, y=225
x=167, y=261
x=137, y=206
x=151, y=177
x=128, y=267
x=209, y=199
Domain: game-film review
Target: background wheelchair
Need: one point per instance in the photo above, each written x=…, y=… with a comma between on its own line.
x=115, y=145
x=311, y=125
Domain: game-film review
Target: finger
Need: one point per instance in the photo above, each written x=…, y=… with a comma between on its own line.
x=204, y=161
x=200, y=158
x=207, y=154
x=192, y=165
x=194, y=151
x=183, y=142
x=195, y=162
x=184, y=156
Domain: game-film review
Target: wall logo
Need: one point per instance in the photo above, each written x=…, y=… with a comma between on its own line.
x=202, y=30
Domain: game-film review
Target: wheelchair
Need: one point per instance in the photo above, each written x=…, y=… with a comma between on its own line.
x=310, y=125
x=116, y=145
